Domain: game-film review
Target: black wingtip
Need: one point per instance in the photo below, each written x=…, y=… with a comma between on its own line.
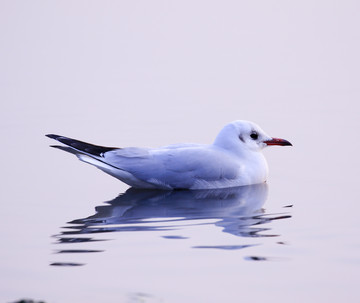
x=80, y=146
x=65, y=148
x=52, y=136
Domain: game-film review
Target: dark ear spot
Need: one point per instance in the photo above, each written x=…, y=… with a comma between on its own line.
x=241, y=138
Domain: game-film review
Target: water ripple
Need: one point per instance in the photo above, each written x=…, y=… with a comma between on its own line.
x=237, y=211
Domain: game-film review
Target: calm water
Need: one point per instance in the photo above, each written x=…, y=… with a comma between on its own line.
x=173, y=215
x=136, y=74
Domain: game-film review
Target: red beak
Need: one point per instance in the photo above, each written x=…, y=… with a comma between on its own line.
x=277, y=141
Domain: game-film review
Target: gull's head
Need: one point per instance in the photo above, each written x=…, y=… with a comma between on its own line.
x=246, y=135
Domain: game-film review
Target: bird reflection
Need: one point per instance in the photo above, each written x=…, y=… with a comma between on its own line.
x=237, y=211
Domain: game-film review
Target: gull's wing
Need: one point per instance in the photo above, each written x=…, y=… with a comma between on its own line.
x=175, y=167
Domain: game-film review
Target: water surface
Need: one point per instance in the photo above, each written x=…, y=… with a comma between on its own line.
x=169, y=214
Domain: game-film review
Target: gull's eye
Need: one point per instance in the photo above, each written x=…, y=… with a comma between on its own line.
x=254, y=136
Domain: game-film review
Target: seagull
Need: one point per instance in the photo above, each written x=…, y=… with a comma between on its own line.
x=233, y=159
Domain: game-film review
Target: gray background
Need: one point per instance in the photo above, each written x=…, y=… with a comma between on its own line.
x=150, y=73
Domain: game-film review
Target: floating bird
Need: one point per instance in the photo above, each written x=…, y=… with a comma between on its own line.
x=233, y=159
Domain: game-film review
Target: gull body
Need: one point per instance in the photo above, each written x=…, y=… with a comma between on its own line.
x=233, y=159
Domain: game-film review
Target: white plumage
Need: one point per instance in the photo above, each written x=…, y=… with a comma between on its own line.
x=233, y=159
